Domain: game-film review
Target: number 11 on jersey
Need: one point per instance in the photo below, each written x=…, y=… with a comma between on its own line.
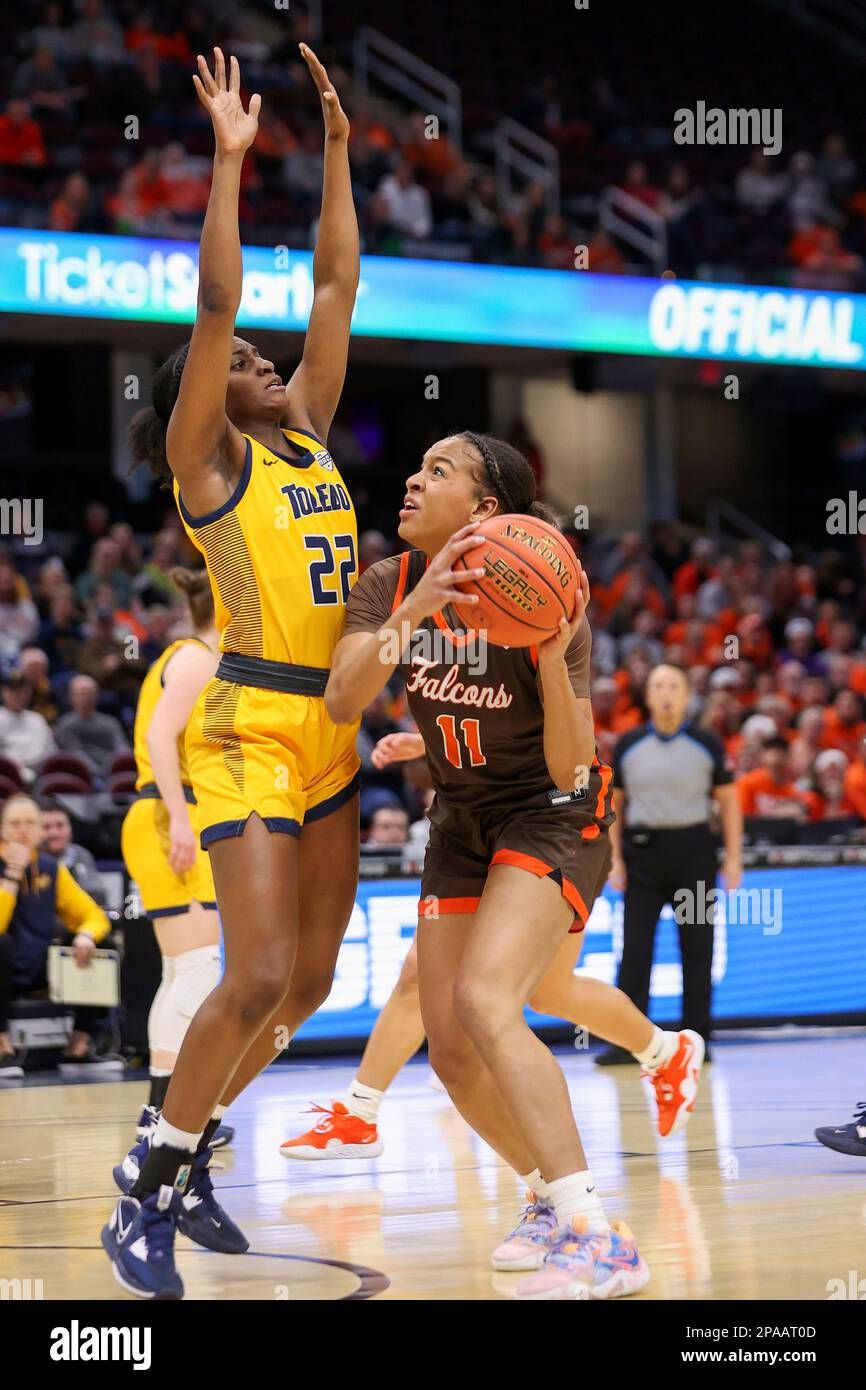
x=471, y=732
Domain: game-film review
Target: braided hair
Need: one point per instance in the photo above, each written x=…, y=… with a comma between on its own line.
x=149, y=426
x=508, y=476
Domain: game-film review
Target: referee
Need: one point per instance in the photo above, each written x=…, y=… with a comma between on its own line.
x=667, y=773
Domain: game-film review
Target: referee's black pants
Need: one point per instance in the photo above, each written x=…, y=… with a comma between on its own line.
x=660, y=864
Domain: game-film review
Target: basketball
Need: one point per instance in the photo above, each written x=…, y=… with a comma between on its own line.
x=529, y=581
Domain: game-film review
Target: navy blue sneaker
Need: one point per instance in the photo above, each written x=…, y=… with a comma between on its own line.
x=147, y=1121
x=848, y=1139
x=139, y=1241
x=126, y=1173
x=201, y=1217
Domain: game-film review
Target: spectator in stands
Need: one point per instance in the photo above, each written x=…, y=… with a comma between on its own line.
x=95, y=525
x=806, y=196
x=556, y=244
x=114, y=664
x=800, y=646
x=822, y=261
x=105, y=567
x=855, y=781
x=636, y=184
x=157, y=632
x=389, y=828
x=19, y=618
x=75, y=209
x=429, y=151
x=33, y=666
x=187, y=180
x=844, y=727
x=768, y=791
x=836, y=168
x=303, y=168
x=84, y=730
x=61, y=635
x=40, y=903
x=806, y=745
x=128, y=547
x=760, y=185
x=826, y=798
x=57, y=840
x=51, y=33
x=681, y=205
x=96, y=35
x=372, y=547
x=695, y=571
x=605, y=257
x=401, y=205
x=21, y=140
x=44, y=84
x=24, y=735
x=153, y=583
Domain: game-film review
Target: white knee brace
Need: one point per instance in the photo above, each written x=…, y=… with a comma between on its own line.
x=187, y=980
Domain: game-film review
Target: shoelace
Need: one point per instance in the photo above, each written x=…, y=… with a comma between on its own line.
x=860, y=1113
x=327, y=1120
x=532, y=1213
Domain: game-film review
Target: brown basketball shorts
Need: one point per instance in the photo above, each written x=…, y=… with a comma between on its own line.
x=558, y=842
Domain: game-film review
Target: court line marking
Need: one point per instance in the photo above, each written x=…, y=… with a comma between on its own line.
x=370, y=1281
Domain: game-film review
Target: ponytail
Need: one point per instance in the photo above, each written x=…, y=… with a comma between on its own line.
x=195, y=586
x=148, y=428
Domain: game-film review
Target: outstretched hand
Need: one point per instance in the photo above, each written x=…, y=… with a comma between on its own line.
x=234, y=128
x=336, y=120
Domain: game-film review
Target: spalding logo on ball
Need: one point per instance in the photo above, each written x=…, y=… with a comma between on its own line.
x=529, y=581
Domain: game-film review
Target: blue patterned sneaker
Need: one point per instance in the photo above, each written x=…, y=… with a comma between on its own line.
x=581, y=1265
x=202, y=1218
x=126, y=1173
x=847, y=1139
x=530, y=1240
x=139, y=1241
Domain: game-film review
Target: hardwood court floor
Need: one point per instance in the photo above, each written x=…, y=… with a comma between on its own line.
x=744, y=1204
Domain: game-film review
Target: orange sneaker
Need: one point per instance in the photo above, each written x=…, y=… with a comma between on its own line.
x=337, y=1135
x=676, y=1083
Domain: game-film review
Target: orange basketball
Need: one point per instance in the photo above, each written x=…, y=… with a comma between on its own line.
x=529, y=581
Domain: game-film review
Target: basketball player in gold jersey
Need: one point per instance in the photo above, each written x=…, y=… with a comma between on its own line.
x=161, y=848
x=275, y=778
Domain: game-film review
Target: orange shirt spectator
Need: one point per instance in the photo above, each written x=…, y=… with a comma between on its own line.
x=855, y=786
x=761, y=795
x=840, y=733
x=21, y=140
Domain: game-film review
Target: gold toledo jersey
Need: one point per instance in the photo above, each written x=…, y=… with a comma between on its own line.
x=281, y=553
x=148, y=699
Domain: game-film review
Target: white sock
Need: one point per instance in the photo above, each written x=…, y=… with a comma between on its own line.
x=535, y=1182
x=576, y=1196
x=174, y=1138
x=363, y=1101
x=218, y=1112
x=160, y=1071
x=659, y=1050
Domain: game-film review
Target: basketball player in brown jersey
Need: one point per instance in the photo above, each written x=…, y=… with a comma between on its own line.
x=517, y=852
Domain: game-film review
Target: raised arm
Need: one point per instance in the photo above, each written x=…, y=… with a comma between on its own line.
x=205, y=451
x=313, y=393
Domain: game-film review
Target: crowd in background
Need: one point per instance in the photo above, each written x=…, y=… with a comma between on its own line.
x=775, y=651
x=75, y=74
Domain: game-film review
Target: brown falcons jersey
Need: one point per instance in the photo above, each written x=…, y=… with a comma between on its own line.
x=477, y=706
